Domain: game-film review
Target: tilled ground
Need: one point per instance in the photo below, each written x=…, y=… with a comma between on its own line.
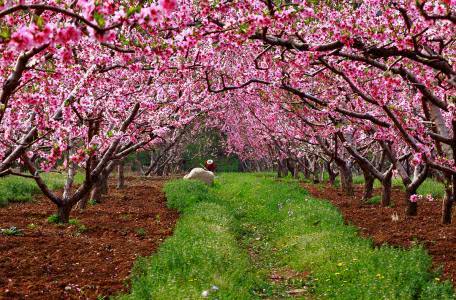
x=377, y=223
x=82, y=262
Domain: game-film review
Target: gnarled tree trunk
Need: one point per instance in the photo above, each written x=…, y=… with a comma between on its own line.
x=368, y=190
x=120, y=175
x=346, y=178
x=387, y=189
x=448, y=200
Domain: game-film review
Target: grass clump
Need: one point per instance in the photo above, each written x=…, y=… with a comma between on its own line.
x=12, y=231
x=182, y=194
x=374, y=200
x=53, y=219
x=141, y=232
x=92, y=202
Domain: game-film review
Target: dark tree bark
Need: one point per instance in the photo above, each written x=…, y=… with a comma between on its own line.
x=120, y=175
x=412, y=207
x=346, y=177
x=104, y=186
x=291, y=166
x=82, y=204
x=306, y=164
x=332, y=175
x=447, y=207
x=448, y=200
x=316, y=171
x=63, y=212
x=95, y=194
x=387, y=189
x=282, y=170
x=368, y=190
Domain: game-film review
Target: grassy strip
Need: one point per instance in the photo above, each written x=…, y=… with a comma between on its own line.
x=202, y=257
x=284, y=230
x=19, y=189
x=289, y=229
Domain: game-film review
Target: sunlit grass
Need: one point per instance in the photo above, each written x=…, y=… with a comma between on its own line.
x=20, y=189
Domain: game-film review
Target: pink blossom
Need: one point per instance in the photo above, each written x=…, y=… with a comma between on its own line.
x=414, y=198
x=23, y=39
x=168, y=5
x=68, y=34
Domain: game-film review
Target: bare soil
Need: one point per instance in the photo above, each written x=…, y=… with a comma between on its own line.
x=52, y=261
x=376, y=222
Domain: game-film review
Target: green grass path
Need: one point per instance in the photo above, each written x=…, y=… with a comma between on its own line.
x=232, y=237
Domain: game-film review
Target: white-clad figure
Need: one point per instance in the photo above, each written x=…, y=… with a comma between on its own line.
x=202, y=175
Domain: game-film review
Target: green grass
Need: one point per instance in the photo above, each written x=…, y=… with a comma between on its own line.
x=432, y=187
x=375, y=200
x=19, y=189
x=235, y=234
x=202, y=255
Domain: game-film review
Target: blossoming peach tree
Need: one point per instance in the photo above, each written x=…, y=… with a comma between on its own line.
x=361, y=74
x=368, y=83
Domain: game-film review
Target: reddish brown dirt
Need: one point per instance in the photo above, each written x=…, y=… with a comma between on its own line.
x=376, y=222
x=61, y=262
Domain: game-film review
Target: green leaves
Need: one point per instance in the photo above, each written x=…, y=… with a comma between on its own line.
x=99, y=18
x=133, y=10
x=244, y=28
x=39, y=21
x=5, y=32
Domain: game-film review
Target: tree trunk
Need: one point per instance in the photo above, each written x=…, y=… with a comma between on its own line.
x=315, y=171
x=346, y=179
x=306, y=170
x=282, y=170
x=104, y=186
x=63, y=212
x=82, y=204
x=96, y=192
x=412, y=207
x=447, y=206
x=386, y=190
x=368, y=190
x=332, y=179
x=332, y=175
x=120, y=175
x=290, y=166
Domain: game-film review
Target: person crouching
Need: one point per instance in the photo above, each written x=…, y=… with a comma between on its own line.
x=210, y=165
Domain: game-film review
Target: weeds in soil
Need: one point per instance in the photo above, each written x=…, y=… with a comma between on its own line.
x=32, y=226
x=80, y=228
x=53, y=219
x=125, y=217
x=12, y=231
x=141, y=232
x=92, y=202
x=158, y=218
x=75, y=222
x=235, y=234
